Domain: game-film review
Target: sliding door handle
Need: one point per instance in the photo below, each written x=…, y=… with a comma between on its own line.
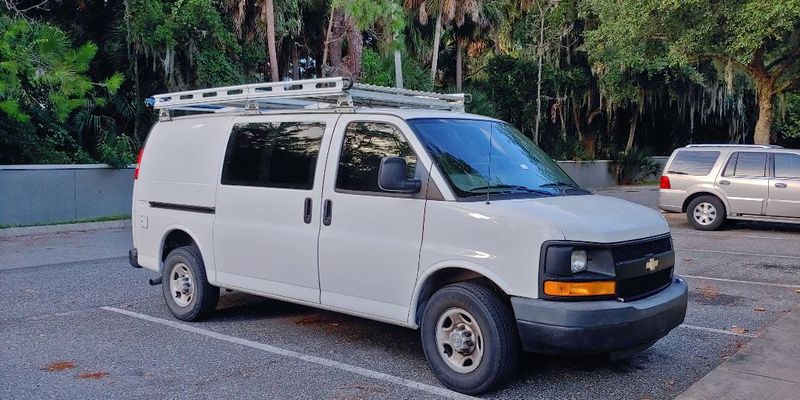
x=724, y=182
x=327, y=213
x=307, y=210
x=780, y=185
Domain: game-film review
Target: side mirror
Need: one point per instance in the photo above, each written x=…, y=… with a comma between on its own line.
x=392, y=176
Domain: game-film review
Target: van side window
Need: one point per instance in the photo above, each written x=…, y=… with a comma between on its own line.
x=787, y=165
x=273, y=154
x=697, y=163
x=753, y=164
x=365, y=144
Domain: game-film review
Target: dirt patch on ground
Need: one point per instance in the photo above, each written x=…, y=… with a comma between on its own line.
x=93, y=375
x=59, y=366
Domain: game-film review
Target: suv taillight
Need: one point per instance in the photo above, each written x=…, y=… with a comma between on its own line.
x=665, y=182
x=138, y=164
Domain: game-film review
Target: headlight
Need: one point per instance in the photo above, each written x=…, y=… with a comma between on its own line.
x=578, y=261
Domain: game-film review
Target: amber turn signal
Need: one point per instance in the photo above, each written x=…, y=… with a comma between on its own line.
x=597, y=288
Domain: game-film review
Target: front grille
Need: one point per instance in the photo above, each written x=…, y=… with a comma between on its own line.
x=640, y=286
x=639, y=250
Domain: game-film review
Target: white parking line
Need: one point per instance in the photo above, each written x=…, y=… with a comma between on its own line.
x=739, y=253
x=688, y=232
x=713, y=330
x=739, y=281
x=439, y=391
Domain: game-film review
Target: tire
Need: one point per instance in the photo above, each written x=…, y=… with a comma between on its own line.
x=496, y=332
x=706, y=213
x=187, y=292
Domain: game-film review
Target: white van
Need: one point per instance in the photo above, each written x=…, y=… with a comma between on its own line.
x=416, y=214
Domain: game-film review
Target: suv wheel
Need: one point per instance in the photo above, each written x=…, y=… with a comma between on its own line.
x=469, y=336
x=187, y=292
x=706, y=213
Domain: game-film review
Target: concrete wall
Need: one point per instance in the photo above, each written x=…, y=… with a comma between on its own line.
x=590, y=174
x=36, y=194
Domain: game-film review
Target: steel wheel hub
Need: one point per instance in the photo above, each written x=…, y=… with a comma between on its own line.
x=459, y=340
x=181, y=284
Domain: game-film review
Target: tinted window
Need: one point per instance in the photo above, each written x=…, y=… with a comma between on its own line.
x=273, y=154
x=693, y=162
x=365, y=144
x=747, y=164
x=787, y=165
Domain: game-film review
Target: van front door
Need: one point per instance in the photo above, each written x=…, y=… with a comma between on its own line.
x=369, y=243
x=784, y=187
x=267, y=220
x=744, y=182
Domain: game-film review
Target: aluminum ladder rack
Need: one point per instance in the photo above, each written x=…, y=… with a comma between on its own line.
x=337, y=93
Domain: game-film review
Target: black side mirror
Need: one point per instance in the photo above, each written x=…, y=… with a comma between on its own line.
x=392, y=176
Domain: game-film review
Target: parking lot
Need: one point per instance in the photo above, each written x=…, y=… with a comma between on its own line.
x=76, y=321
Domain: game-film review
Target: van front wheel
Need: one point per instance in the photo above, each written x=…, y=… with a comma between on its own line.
x=187, y=292
x=470, y=338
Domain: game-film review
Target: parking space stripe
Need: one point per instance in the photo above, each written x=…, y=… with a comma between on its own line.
x=738, y=253
x=740, y=281
x=713, y=330
x=439, y=391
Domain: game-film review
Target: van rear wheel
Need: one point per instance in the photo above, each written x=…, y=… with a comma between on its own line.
x=470, y=338
x=187, y=292
x=706, y=213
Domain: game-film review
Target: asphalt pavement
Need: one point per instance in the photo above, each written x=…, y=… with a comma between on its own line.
x=76, y=321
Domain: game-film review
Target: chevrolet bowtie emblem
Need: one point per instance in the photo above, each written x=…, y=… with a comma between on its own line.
x=652, y=264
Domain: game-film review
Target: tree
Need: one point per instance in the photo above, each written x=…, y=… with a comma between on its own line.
x=757, y=38
x=268, y=18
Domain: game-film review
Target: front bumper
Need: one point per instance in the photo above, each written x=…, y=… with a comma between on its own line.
x=133, y=258
x=594, y=327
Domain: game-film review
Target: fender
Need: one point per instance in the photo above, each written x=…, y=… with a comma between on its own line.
x=709, y=188
x=461, y=264
x=210, y=268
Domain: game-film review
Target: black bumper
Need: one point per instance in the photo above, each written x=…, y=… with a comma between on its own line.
x=133, y=258
x=594, y=327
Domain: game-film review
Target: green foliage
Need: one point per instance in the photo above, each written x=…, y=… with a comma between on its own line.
x=378, y=69
x=788, y=120
x=635, y=166
x=389, y=13
x=117, y=152
x=481, y=103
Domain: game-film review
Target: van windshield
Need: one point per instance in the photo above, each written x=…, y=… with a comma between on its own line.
x=514, y=165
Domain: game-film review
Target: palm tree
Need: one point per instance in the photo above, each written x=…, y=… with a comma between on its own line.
x=465, y=16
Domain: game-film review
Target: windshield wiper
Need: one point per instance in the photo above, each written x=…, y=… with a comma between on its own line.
x=505, y=188
x=557, y=184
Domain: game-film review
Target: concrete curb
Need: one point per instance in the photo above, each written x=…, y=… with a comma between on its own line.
x=80, y=227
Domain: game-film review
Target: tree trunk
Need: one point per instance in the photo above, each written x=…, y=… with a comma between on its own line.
x=355, y=46
x=269, y=16
x=459, y=79
x=632, y=130
x=334, y=44
x=539, y=78
x=295, y=61
x=437, y=39
x=763, y=132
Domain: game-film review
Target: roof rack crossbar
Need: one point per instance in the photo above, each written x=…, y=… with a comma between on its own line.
x=308, y=93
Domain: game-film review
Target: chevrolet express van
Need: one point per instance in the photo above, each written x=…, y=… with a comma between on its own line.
x=409, y=212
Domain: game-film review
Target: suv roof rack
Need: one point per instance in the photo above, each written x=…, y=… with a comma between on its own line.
x=337, y=92
x=754, y=146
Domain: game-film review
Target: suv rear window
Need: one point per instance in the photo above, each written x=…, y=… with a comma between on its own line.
x=697, y=163
x=273, y=154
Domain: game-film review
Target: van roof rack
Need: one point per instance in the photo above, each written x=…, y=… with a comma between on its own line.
x=754, y=146
x=336, y=92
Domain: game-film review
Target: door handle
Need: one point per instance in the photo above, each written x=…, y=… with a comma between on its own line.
x=307, y=210
x=780, y=185
x=724, y=182
x=327, y=213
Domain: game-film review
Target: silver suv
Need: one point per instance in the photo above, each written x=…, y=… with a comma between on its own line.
x=713, y=183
